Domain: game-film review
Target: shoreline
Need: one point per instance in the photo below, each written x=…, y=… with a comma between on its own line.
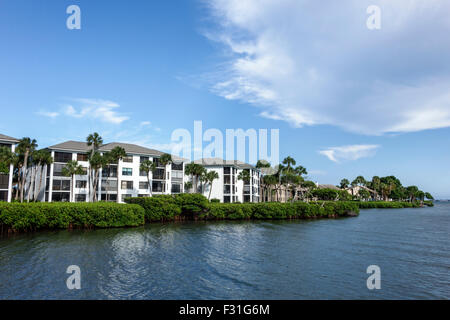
x=18, y=218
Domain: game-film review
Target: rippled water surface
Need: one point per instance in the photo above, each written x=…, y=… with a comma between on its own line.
x=325, y=259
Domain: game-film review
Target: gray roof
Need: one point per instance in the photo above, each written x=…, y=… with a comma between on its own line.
x=8, y=138
x=71, y=146
x=130, y=148
x=82, y=146
x=221, y=162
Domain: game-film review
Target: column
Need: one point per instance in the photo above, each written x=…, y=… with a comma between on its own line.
x=50, y=187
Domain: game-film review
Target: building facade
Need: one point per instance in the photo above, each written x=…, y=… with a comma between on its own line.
x=115, y=182
x=228, y=188
x=6, y=180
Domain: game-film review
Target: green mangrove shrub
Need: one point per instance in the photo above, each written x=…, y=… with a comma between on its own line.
x=19, y=217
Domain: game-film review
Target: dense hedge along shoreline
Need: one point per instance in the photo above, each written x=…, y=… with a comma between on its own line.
x=23, y=217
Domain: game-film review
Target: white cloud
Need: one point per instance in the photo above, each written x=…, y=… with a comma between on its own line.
x=96, y=109
x=48, y=114
x=351, y=152
x=315, y=62
x=145, y=123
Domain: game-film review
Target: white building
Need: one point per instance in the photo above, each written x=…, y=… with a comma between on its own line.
x=120, y=180
x=228, y=188
x=6, y=179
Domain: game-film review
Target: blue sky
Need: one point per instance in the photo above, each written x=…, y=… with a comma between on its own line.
x=347, y=100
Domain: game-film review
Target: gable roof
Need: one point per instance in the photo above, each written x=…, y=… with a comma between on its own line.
x=130, y=148
x=221, y=162
x=8, y=138
x=83, y=147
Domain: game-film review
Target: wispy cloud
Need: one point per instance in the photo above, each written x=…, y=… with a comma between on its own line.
x=145, y=123
x=308, y=66
x=95, y=109
x=48, y=114
x=350, y=152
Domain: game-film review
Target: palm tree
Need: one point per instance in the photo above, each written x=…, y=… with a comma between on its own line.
x=244, y=175
x=344, y=184
x=96, y=163
x=210, y=177
x=164, y=160
x=45, y=159
x=25, y=146
x=94, y=140
x=32, y=185
x=114, y=156
x=148, y=166
x=289, y=162
x=71, y=169
x=195, y=171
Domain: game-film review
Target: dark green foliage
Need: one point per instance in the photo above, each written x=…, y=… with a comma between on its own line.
x=34, y=216
x=387, y=204
x=158, y=208
x=327, y=194
x=215, y=201
x=191, y=203
x=171, y=207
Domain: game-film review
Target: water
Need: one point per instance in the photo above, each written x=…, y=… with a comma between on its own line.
x=324, y=259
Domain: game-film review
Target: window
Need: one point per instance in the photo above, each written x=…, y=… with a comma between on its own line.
x=176, y=188
x=128, y=159
x=61, y=196
x=82, y=157
x=226, y=180
x=127, y=171
x=143, y=159
x=227, y=189
x=142, y=173
x=62, y=185
x=3, y=195
x=143, y=185
x=178, y=167
x=226, y=199
x=57, y=169
x=158, y=174
x=226, y=170
x=246, y=198
x=80, y=184
x=110, y=172
x=4, y=181
x=127, y=185
x=109, y=185
x=80, y=198
x=63, y=157
x=158, y=186
x=109, y=197
x=177, y=174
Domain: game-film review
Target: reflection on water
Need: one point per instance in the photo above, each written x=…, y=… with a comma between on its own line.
x=325, y=259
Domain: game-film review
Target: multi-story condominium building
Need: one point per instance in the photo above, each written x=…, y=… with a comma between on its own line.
x=116, y=181
x=228, y=188
x=6, y=179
